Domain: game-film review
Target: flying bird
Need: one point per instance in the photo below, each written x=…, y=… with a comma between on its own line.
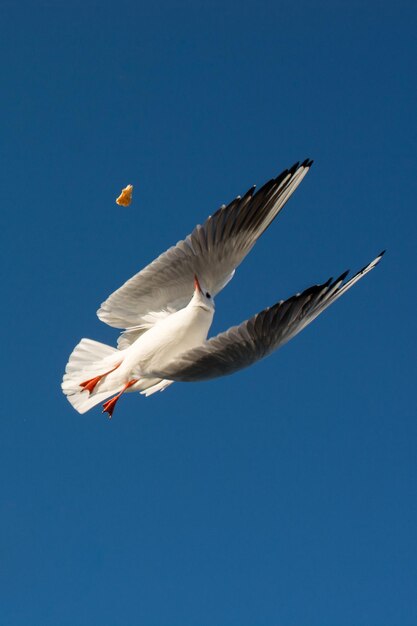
x=166, y=310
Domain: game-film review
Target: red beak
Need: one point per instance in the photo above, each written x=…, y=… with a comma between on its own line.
x=196, y=283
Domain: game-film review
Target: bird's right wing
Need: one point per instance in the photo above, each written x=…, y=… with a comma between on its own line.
x=243, y=345
x=212, y=252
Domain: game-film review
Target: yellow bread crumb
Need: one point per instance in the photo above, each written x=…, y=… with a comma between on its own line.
x=125, y=197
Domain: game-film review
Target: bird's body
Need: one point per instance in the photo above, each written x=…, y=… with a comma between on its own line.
x=166, y=311
x=170, y=336
x=178, y=332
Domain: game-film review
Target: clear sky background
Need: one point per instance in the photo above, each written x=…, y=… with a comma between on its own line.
x=287, y=493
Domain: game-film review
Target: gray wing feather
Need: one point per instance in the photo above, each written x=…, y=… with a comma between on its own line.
x=243, y=345
x=212, y=251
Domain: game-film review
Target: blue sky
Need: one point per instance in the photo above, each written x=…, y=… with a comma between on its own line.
x=285, y=494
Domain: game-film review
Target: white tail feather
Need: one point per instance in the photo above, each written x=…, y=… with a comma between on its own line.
x=89, y=359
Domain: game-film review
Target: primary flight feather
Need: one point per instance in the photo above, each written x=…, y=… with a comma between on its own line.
x=166, y=310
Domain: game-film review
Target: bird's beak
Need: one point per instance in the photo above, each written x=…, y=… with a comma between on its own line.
x=196, y=283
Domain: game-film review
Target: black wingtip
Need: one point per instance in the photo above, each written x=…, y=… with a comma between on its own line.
x=291, y=171
x=324, y=285
x=377, y=259
x=343, y=276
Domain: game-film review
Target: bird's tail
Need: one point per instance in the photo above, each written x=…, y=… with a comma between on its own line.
x=87, y=367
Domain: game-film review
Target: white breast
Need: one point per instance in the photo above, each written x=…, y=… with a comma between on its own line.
x=181, y=331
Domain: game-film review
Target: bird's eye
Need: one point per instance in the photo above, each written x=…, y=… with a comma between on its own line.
x=208, y=295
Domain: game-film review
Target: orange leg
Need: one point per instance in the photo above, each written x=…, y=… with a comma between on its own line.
x=108, y=407
x=89, y=385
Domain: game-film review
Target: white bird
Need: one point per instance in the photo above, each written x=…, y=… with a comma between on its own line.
x=166, y=310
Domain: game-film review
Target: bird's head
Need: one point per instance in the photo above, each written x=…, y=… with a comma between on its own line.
x=202, y=297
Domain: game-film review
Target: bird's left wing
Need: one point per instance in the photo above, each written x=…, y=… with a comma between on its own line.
x=212, y=251
x=243, y=345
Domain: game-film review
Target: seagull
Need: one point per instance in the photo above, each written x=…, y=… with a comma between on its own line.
x=166, y=310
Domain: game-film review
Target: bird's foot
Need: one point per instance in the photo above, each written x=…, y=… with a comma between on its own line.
x=90, y=384
x=108, y=407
